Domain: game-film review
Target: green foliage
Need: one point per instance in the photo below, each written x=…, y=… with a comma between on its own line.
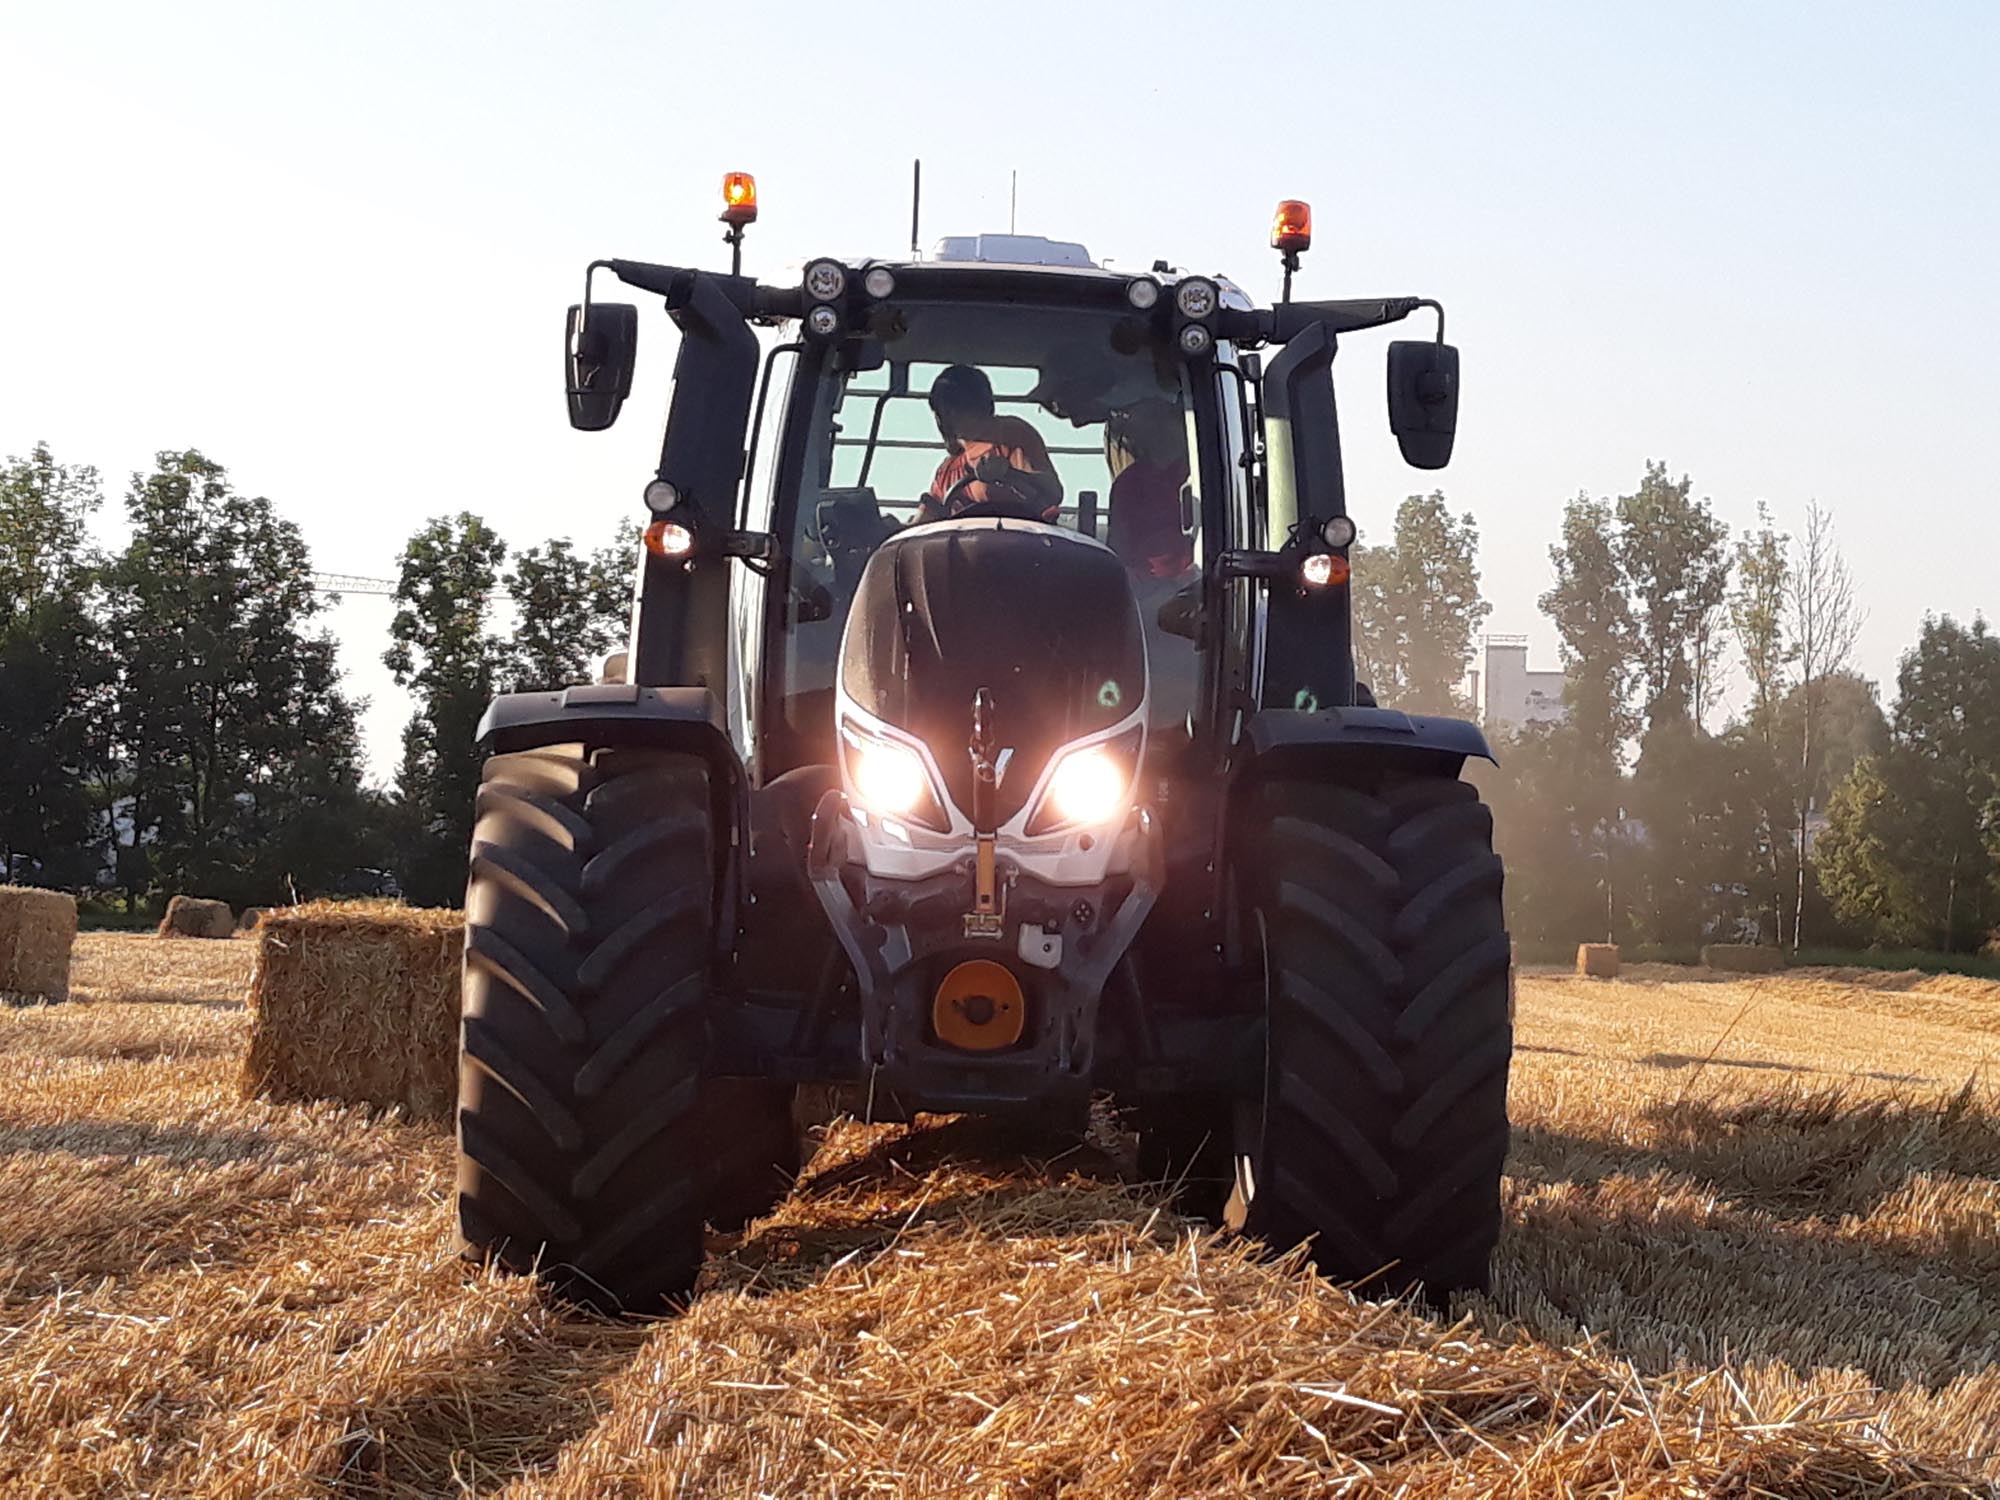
x=1593, y=620
x=54, y=678
x=1697, y=798
x=1673, y=563
x=1417, y=608
x=1757, y=615
x=1909, y=853
x=570, y=610
x=443, y=649
x=240, y=753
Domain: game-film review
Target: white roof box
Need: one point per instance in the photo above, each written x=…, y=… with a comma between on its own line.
x=1012, y=250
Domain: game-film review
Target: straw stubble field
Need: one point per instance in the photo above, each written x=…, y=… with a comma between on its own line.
x=1753, y=1249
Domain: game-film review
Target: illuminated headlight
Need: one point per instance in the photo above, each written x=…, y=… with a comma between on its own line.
x=1142, y=293
x=1088, y=786
x=1196, y=339
x=889, y=777
x=1196, y=298
x=661, y=497
x=878, y=283
x=1339, y=532
x=823, y=321
x=825, y=280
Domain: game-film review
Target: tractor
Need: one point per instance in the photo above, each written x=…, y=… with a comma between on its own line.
x=988, y=742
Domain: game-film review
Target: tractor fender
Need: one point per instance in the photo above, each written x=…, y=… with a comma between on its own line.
x=1280, y=739
x=689, y=720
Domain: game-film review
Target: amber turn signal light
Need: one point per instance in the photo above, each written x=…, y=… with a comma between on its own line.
x=669, y=539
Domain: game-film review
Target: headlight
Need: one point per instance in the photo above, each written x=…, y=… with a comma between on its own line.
x=661, y=497
x=1196, y=340
x=889, y=777
x=879, y=282
x=1088, y=787
x=1142, y=293
x=1196, y=297
x=825, y=280
x=823, y=321
x=1338, y=532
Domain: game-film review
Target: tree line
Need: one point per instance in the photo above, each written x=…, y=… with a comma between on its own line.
x=1802, y=814
x=175, y=720
x=171, y=711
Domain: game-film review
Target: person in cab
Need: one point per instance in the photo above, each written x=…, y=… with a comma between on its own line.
x=996, y=465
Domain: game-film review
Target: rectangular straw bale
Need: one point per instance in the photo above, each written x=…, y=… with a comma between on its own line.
x=1742, y=958
x=1597, y=960
x=357, y=1001
x=191, y=916
x=37, y=928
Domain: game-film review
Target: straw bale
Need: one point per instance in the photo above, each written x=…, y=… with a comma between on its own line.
x=1597, y=960
x=252, y=915
x=357, y=1001
x=191, y=916
x=1742, y=958
x=36, y=930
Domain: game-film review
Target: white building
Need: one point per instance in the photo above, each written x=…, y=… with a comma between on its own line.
x=1508, y=694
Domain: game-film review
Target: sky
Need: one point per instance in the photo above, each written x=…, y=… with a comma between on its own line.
x=331, y=245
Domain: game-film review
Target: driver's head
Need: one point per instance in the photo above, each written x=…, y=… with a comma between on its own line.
x=959, y=395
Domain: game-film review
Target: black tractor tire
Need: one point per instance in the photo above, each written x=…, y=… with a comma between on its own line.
x=1382, y=1127
x=590, y=1148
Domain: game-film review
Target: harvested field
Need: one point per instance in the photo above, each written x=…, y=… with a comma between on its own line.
x=1753, y=1249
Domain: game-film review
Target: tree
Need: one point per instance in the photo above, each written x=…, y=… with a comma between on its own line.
x=1757, y=616
x=443, y=650
x=241, y=758
x=570, y=610
x=1673, y=562
x=1694, y=802
x=1593, y=619
x=1418, y=607
x=1758, y=620
x=1825, y=622
x=54, y=674
x=1566, y=861
x=1909, y=850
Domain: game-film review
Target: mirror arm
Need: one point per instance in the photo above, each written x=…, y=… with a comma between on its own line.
x=583, y=317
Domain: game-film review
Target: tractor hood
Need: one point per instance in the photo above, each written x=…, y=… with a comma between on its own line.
x=1042, y=619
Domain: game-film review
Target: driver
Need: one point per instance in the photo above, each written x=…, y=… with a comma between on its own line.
x=998, y=464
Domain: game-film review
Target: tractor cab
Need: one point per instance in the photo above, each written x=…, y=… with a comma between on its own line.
x=989, y=738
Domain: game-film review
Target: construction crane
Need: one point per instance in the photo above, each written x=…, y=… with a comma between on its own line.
x=351, y=583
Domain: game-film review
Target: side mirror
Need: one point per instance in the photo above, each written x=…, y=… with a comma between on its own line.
x=597, y=363
x=1423, y=401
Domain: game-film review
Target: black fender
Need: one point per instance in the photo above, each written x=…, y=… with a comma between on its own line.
x=688, y=720
x=1279, y=741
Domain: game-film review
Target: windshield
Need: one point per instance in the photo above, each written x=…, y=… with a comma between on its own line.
x=1079, y=418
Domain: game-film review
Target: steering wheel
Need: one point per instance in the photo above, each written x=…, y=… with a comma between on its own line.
x=1011, y=507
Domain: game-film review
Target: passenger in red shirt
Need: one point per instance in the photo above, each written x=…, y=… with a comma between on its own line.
x=998, y=464
x=1145, y=528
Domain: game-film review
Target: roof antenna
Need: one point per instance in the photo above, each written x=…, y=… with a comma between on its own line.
x=916, y=202
x=1013, y=196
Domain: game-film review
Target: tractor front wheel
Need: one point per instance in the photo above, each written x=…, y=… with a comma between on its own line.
x=591, y=1150
x=1382, y=1125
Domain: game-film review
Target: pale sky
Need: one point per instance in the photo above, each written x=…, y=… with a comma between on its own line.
x=331, y=245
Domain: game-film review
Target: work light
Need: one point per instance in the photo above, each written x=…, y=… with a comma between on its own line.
x=825, y=280
x=1197, y=297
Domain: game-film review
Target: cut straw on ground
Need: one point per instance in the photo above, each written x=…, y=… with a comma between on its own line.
x=1718, y=1278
